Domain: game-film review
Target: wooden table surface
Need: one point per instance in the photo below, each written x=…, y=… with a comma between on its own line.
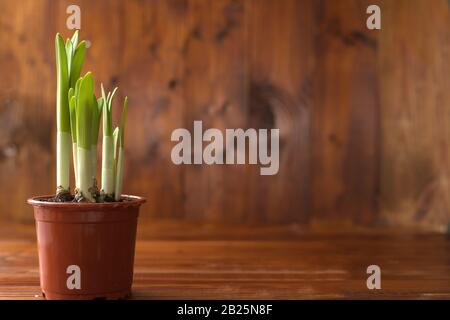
x=176, y=261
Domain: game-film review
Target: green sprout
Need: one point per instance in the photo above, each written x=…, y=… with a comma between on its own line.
x=120, y=156
x=69, y=60
x=108, y=152
x=85, y=106
x=79, y=116
x=112, y=158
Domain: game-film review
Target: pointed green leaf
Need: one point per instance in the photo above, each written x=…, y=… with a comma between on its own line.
x=69, y=54
x=62, y=103
x=74, y=39
x=84, y=108
x=111, y=97
x=77, y=63
x=107, y=120
x=116, y=134
x=100, y=105
x=100, y=108
x=103, y=92
x=73, y=117
x=115, y=139
x=70, y=94
x=96, y=112
x=77, y=86
x=124, y=119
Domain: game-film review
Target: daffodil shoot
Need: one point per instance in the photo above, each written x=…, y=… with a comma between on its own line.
x=79, y=114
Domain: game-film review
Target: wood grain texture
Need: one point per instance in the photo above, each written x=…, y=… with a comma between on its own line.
x=269, y=263
x=151, y=74
x=27, y=119
x=345, y=118
x=415, y=116
x=215, y=82
x=363, y=115
x=281, y=37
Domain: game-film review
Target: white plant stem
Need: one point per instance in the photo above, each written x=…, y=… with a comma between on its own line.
x=108, y=165
x=85, y=173
x=75, y=163
x=94, y=160
x=63, y=142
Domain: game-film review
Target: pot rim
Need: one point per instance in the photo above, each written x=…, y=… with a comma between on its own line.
x=134, y=201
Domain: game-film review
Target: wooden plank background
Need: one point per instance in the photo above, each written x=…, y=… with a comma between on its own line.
x=364, y=116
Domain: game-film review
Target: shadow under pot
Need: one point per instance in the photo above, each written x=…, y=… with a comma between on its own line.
x=86, y=250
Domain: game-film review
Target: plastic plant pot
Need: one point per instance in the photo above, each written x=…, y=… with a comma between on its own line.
x=86, y=250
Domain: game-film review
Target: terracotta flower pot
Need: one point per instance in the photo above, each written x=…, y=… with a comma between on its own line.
x=86, y=250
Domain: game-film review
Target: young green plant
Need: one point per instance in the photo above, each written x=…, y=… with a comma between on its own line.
x=69, y=60
x=108, y=154
x=113, y=148
x=85, y=116
x=79, y=113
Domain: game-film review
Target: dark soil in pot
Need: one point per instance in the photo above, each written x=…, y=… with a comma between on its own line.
x=86, y=250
